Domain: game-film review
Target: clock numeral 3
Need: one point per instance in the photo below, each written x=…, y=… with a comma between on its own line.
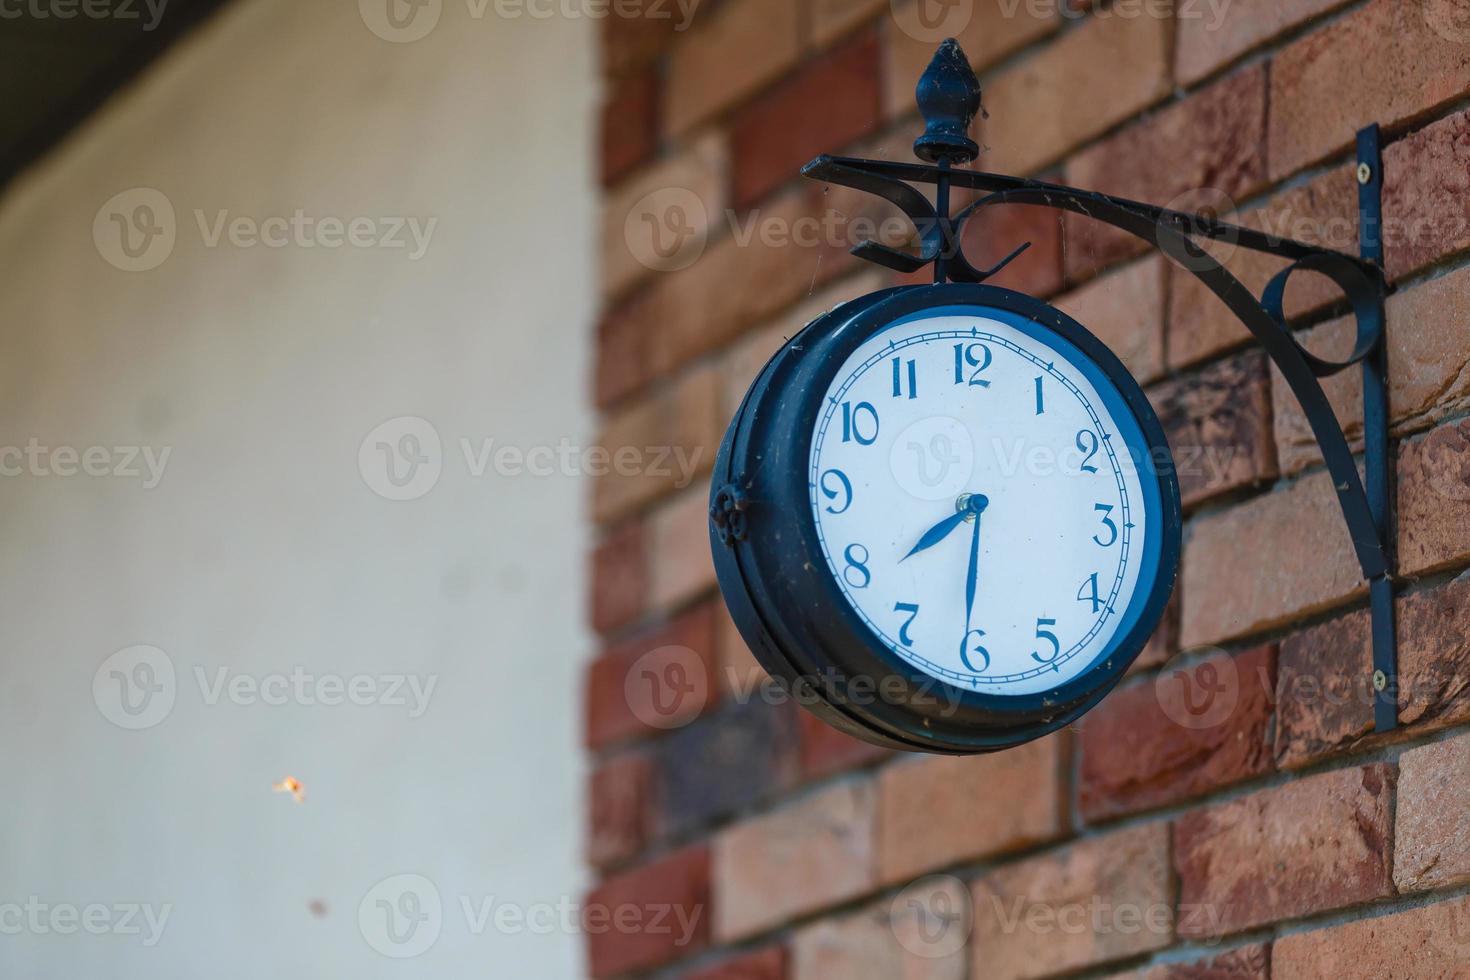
x=1106, y=509
x=1087, y=443
x=898, y=374
x=857, y=562
x=912, y=609
x=967, y=651
x=1087, y=592
x=1050, y=637
x=853, y=425
x=975, y=356
x=843, y=490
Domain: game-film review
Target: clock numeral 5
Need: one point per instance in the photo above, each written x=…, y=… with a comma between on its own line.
x=1050, y=637
x=857, y=561
x=913, y=375
x=853, y=426
x=1106, y=509
x=975, y=356
x=966, y=651
x=912, y=608
x=1087, y=592
x=844, y=490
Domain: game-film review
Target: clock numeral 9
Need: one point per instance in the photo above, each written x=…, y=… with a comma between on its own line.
x=1106, y=509
x=913, y=375
x=852, y=425
x=1087, y=443
x=844, y=490
x=912, y=608
x=857, y=562
x=966, y=651
x=1087, y=592
x=976, y=356
x=1050, y=637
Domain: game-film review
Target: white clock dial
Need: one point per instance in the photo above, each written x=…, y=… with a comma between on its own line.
x=976, y=500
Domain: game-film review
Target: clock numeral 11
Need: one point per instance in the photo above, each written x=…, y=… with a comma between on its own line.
x=913, y=376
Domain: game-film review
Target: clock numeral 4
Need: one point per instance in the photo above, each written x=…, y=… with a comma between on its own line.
x=1045, y=634
x=898, y=377
x=1106, y=509
x=968, y=650
x=912, y=608
x=971, y=356
x=854, y=428
x=856, y=573
x=1088, y=592
x=843, y=490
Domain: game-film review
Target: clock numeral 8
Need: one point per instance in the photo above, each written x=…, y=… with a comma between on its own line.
x=852, y=416
x=857, y=561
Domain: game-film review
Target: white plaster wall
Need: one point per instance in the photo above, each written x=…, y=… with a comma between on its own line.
x=264, y=548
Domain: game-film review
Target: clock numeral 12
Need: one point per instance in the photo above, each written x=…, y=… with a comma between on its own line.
x=966, y=355
x=852, y=430
x=898, y=379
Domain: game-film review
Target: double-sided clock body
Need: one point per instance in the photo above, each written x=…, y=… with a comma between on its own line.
x=945, y=518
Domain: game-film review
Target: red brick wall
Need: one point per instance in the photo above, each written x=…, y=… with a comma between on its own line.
x=1271, y=835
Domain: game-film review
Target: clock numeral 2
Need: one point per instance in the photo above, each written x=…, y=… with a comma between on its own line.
x=857, y=561
x=966, y=650
x=852, y=429
x=912, y=609
x=1087, y=592
x=1050, y=637
x=844, y=490
x=1087, y=443
x=913, y=374
x=967, y=356
x=1106, y=509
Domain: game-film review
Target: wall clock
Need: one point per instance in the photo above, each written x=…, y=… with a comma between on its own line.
x=945, y=518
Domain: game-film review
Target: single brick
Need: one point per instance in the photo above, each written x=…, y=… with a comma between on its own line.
x=1432, y=827
x=653, y=682
x=741, y=756
x=658, y=444
x=1426, y=195
x=830, y=19
x=620, y=809
x=1099, y=900
x=937, y=811
x=808, y=855
x=1141, y=747
x=1092, y=78
x=831, y=101
x=1434, y=656
x=654, y=914
x=1205, y=150
x=1387, y=63
x=1213, y=36
x=825, y=751
x=629, y=125
x=1218, y=422
x=1285, y=555
x=623, y=359
x=1246, y=963
x=731, y=52
x=887, y=940
x=765, y=964
x=1429, y=943
x=619, y=590
x=679, y=550
x=1323, y=212
x=1125, y=310
x=1434, y=500
x=1318, y=844
x=987, y=32
x=659, y=221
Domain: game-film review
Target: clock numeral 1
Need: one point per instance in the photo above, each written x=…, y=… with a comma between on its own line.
x=1048, y=636
x=1040, y=398
x=1106, y=509
x=912, y=608
x=843, y=489
x=1084, y=595
x=975, y=356
x=852, y=423
x=857, y=562
x=966, y=651
x=898, y=378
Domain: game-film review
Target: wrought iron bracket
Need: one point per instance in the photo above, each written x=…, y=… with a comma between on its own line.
x=948, y=95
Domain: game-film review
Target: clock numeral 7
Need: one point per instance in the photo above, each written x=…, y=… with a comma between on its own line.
x=1050, y=637
x=857, y=562
x=913, y=375
x=976, y=356
x=912, y=608
x=1087, y=592
x=853, y=426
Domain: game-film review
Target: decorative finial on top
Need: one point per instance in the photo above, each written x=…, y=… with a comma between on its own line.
x=949, y=96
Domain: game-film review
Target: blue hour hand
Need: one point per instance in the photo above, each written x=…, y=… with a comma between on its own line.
x=969, y=505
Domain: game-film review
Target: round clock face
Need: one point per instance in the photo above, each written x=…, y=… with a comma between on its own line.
x=976, y=489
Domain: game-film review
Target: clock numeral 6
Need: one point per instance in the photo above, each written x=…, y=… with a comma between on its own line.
x=1087, y=443
x=975, y=356
x=857, y=561
x=913, y=375
x=1106, y=509
x=1087, y=592
x=853, y=425
x=966, y=651
x=912, y=608
x=843, y=490
x=1050, y=637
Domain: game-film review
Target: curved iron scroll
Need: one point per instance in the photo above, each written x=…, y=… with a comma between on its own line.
x=945, y=97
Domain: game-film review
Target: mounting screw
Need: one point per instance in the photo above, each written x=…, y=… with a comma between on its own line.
x=1380, y=679
x=1365, y=173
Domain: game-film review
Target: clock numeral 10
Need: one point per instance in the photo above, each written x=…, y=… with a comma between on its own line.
x=1088, y=592
x=913, y=376
x=853, y=425
x=975, y=356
